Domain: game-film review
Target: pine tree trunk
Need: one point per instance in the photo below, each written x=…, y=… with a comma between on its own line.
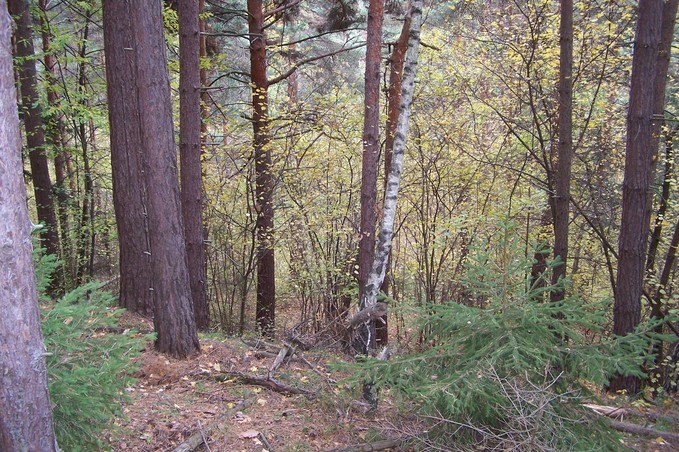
x=562, y=185
x=637, y=182
x=371, y=153
x=173, y=310
x=190, y=155
x=266, y=282
x=26, y=421
x=32, y=118
x=127, y=161
x=386, y=230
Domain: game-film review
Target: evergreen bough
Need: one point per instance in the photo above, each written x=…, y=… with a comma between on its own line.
x=512, y=374
x=89, y=367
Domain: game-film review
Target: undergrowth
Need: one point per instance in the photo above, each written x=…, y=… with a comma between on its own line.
x=88, y=365
x=512, y=374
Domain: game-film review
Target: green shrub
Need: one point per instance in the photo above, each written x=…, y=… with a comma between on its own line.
x=88, y=365
x=511, y=375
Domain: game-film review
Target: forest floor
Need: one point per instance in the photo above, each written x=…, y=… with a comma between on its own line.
x=209, y=397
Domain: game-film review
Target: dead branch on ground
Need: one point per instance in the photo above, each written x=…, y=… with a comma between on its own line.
x=198, y=438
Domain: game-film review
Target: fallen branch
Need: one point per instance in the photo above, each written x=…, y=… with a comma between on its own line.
x=619, y=412
x=198, y=438
x=367, y=447
x=375, y=311
x=644, y=431
x=284, y=351
x=266, y=382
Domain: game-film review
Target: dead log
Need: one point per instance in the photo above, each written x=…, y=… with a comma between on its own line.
x=266, y=382
x=198, y=438
x=644, y=431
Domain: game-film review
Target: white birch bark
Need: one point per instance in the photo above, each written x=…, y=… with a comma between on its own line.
x=386, y=231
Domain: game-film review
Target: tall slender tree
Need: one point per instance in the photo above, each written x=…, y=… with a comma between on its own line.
x=32, y=118
x=371, y=153
x=26, y=421
x=396, y=63
x=127, y=161
x=638, y=179
x=562, y=185
x=190, y=155
x=266, y=276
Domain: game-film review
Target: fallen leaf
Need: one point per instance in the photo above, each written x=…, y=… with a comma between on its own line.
x=261, y=402
x=249, y=434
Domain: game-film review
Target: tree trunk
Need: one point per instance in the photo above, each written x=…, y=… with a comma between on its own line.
x=386, y=230
x=638, y=180
x=173, y=310
x=562, y=185
x=371, y=153
x=666, y=37
x=55, y=136
x=669, y=15
x=190, y=155
x=266, y=282
x=398, y=57
x=129, y=191
x=26, y=421
x=86, y=233
x=32, y=118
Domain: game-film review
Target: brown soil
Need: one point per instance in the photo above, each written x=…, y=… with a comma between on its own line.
x=174, y=399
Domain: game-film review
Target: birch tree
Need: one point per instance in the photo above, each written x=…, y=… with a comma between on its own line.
x=386, y=230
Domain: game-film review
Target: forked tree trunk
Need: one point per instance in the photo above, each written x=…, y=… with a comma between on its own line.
x=637, y=182
x=266, y=282
x=32, y=118
x=190, y=155
x=386, y=230
x=127, y=161
x=562, y=184
x=26, y=421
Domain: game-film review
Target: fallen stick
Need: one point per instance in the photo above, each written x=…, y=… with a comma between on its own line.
x=267, y=382
x=200, y=437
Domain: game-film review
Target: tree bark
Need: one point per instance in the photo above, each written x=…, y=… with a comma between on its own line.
x=397, y=61
x=190, y=155
x=127, y=161
x=562, y=185
x=26, y=421
x=173, y=312
x=637, y=182
x=264, y=184
x=371, y=153
x=386, y=230
x=32, y=118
